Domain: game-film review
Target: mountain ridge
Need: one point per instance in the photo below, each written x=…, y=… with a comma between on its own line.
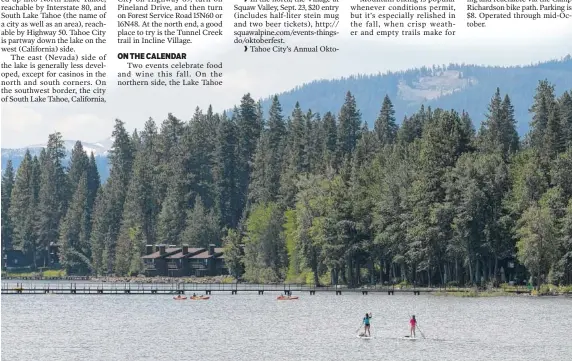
x=409, y=89
x=455, y=86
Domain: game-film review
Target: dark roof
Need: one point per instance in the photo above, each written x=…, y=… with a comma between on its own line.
x=203, y=255
x=168, y=252
x=192, y=251
x=177, y=253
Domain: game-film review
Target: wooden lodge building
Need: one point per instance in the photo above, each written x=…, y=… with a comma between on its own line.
x=163, y=260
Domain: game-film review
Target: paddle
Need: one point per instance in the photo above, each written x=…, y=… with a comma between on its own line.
x=416, y=325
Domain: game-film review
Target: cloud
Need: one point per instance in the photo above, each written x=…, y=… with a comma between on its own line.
x=17, y=120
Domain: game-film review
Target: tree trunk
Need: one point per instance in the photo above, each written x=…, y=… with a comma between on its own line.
x=357, y=274
x=496, y=272
x=371, y=272
x=315, y=271
x=470, y=272
x=477, y=272
x=457, y=271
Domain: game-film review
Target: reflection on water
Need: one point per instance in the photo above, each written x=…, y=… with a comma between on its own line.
x=253, y=327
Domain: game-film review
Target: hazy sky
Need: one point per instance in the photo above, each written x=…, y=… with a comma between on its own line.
x=508, y=42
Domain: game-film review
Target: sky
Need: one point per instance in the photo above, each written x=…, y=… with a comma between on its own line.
x=502, y=42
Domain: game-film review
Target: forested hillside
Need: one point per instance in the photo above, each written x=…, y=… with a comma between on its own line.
x=318, y=197
x=456, y=86
x=460, y=87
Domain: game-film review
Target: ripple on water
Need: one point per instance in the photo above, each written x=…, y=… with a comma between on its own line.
x=252, y=327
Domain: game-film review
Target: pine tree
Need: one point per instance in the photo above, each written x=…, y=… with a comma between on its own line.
x=93, y=182
x=385, y=127
x=53, y=195
x=277, y=139
x=510, y=135
x=7, y=225
x=554, y=142
x=249, y=129
x=201, y=227
x=79, y=163
x=171, y=221
x=565, y=106
x=233, y=253
x=330, y=132
x=23, y=203
x=412, y=127
x=109, y=205
x=349, y=125
x=261, y=183
x=543, y=103
x=75, y=247
x=498, y=132
x=225, y=173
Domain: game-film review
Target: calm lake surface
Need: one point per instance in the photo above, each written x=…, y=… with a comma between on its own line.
x=252, y=327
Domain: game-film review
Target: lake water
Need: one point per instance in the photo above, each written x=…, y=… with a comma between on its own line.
x=253, y=327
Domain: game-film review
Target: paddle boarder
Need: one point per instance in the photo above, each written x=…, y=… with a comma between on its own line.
x=412, y=326
x=366, y=322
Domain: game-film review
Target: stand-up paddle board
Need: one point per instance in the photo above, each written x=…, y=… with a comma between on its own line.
x=365, y=337
x=409, y=338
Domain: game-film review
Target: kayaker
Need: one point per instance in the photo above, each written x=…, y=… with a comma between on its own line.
x=194, y=295
x=366, y=322
x=412, y=326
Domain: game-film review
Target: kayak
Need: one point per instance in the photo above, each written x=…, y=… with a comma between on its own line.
x=178, y=298
x=286, y=298
x=199, y=298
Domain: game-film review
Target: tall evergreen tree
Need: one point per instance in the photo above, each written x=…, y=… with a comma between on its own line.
x=349, y=125
x=565, y=106
x=201, y=227
x=225, y=173
x=7, y=226
x=107, y=221
x=79, y=163
x=385, y=127
x=23, y=202
x=53, y=195
x=75, y=247
x=543, y=103
x=171, y=221
x=249, y=127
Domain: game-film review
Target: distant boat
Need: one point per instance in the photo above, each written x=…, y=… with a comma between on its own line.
x=199, y=297
x=287, y=298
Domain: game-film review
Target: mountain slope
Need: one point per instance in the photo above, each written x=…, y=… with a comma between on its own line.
x=459, y=87
x=99, y=150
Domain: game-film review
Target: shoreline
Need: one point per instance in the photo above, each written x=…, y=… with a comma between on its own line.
x=137, y=280
x=508, y=291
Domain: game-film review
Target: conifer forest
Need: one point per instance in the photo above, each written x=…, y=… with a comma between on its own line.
x=316, y=198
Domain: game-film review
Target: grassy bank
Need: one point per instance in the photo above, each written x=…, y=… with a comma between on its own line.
x=474, y=293
x=45, y=274
x=507, y=290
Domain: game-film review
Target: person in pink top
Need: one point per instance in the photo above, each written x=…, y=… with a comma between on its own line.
x=412, y=326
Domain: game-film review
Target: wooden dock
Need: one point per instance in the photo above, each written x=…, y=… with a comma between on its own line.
x=20, y=288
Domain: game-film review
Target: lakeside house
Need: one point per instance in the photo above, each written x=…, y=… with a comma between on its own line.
x=174, y=261
x=16, y=260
